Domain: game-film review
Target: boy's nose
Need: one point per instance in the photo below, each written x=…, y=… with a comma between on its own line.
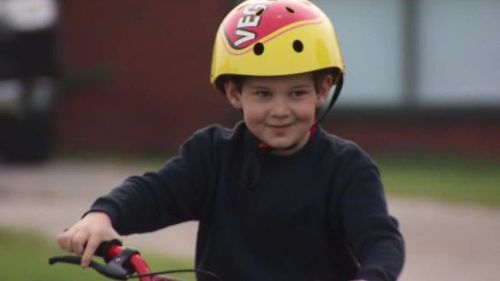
x=280, y=108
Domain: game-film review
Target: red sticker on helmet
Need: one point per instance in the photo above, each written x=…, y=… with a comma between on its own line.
x=257, y=19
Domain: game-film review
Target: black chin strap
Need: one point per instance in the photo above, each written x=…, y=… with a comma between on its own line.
x=324, y=110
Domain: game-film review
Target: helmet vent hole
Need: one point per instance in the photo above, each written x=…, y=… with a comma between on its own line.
x=298, y=46
x=290, y=10
x=258, y=49
x=259, y=12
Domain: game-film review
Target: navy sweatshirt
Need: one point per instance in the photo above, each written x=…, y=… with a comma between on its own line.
x=318, y=214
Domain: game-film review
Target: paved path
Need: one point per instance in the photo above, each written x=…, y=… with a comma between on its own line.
x=444, y=242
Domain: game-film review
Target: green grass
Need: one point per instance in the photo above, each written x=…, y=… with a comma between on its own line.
x=25, y=257
x=442, y=178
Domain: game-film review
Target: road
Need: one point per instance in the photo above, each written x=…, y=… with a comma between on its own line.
x=444, y=242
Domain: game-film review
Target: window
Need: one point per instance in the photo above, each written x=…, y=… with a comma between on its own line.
x=459, y=53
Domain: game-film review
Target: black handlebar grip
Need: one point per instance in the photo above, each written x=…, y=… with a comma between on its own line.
x=65, y=259
x=113, y=271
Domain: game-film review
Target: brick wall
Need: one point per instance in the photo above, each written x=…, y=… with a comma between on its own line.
x=137, y=73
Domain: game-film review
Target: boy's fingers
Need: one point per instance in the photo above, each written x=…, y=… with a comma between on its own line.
x=78, y=242
x=89, y=251
x=64, y=240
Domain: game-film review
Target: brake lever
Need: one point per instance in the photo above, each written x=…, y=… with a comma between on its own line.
x=111, y=270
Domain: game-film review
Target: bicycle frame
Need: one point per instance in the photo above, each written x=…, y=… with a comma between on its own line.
x=136, y=261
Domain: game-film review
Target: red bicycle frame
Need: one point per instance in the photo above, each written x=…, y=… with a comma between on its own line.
x=136, y=261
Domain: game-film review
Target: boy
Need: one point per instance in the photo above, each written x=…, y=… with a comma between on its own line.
x=277, y=198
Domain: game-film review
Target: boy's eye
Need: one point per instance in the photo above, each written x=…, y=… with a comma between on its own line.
x=262, y=94
x=298, y=94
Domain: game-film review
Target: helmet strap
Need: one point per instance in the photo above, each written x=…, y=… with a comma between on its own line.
x=331, y=99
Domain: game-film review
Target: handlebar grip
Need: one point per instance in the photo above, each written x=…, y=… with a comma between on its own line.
x=113, y=271
x=65, y=259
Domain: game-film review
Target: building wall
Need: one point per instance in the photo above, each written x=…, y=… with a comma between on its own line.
x=137, y=73
x=137, y=77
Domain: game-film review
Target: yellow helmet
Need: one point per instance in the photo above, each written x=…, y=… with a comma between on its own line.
x=272, y=38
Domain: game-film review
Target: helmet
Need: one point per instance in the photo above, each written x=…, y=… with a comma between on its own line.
x=272, y=38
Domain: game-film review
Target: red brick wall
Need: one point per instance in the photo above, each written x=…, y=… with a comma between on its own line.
x=467, y=132
x=154, y=59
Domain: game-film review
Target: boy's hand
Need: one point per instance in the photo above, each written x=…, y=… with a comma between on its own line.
x=86, y=235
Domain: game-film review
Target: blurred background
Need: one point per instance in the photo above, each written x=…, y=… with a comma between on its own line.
x=119, y=76
x=421, y=94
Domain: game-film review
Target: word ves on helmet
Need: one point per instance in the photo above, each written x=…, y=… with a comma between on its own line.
x=250, y=18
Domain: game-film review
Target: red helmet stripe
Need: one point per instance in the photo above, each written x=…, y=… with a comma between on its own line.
x=256, y=20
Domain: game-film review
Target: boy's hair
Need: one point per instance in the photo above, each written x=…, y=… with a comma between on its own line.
x=318, y=77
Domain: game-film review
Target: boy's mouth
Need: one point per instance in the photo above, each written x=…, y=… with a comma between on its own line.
x=280, y=125
x=280, y=128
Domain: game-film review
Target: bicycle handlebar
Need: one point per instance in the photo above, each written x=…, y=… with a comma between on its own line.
x=121, y=262
x=124, y=263
x=112, y=272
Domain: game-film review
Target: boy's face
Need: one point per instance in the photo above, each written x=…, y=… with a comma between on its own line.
x=279, y=110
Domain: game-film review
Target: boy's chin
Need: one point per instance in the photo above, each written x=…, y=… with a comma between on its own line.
x=285, y=148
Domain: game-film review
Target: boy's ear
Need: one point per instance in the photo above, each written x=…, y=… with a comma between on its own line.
x=323, y=90
x=233, y=94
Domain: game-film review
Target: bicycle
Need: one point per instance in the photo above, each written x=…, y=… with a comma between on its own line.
x=123, y=263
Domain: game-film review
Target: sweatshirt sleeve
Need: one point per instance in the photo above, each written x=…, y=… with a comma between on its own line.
x=175, y=193
x=371, y=233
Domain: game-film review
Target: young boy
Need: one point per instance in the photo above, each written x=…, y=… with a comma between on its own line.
x=277, y=198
